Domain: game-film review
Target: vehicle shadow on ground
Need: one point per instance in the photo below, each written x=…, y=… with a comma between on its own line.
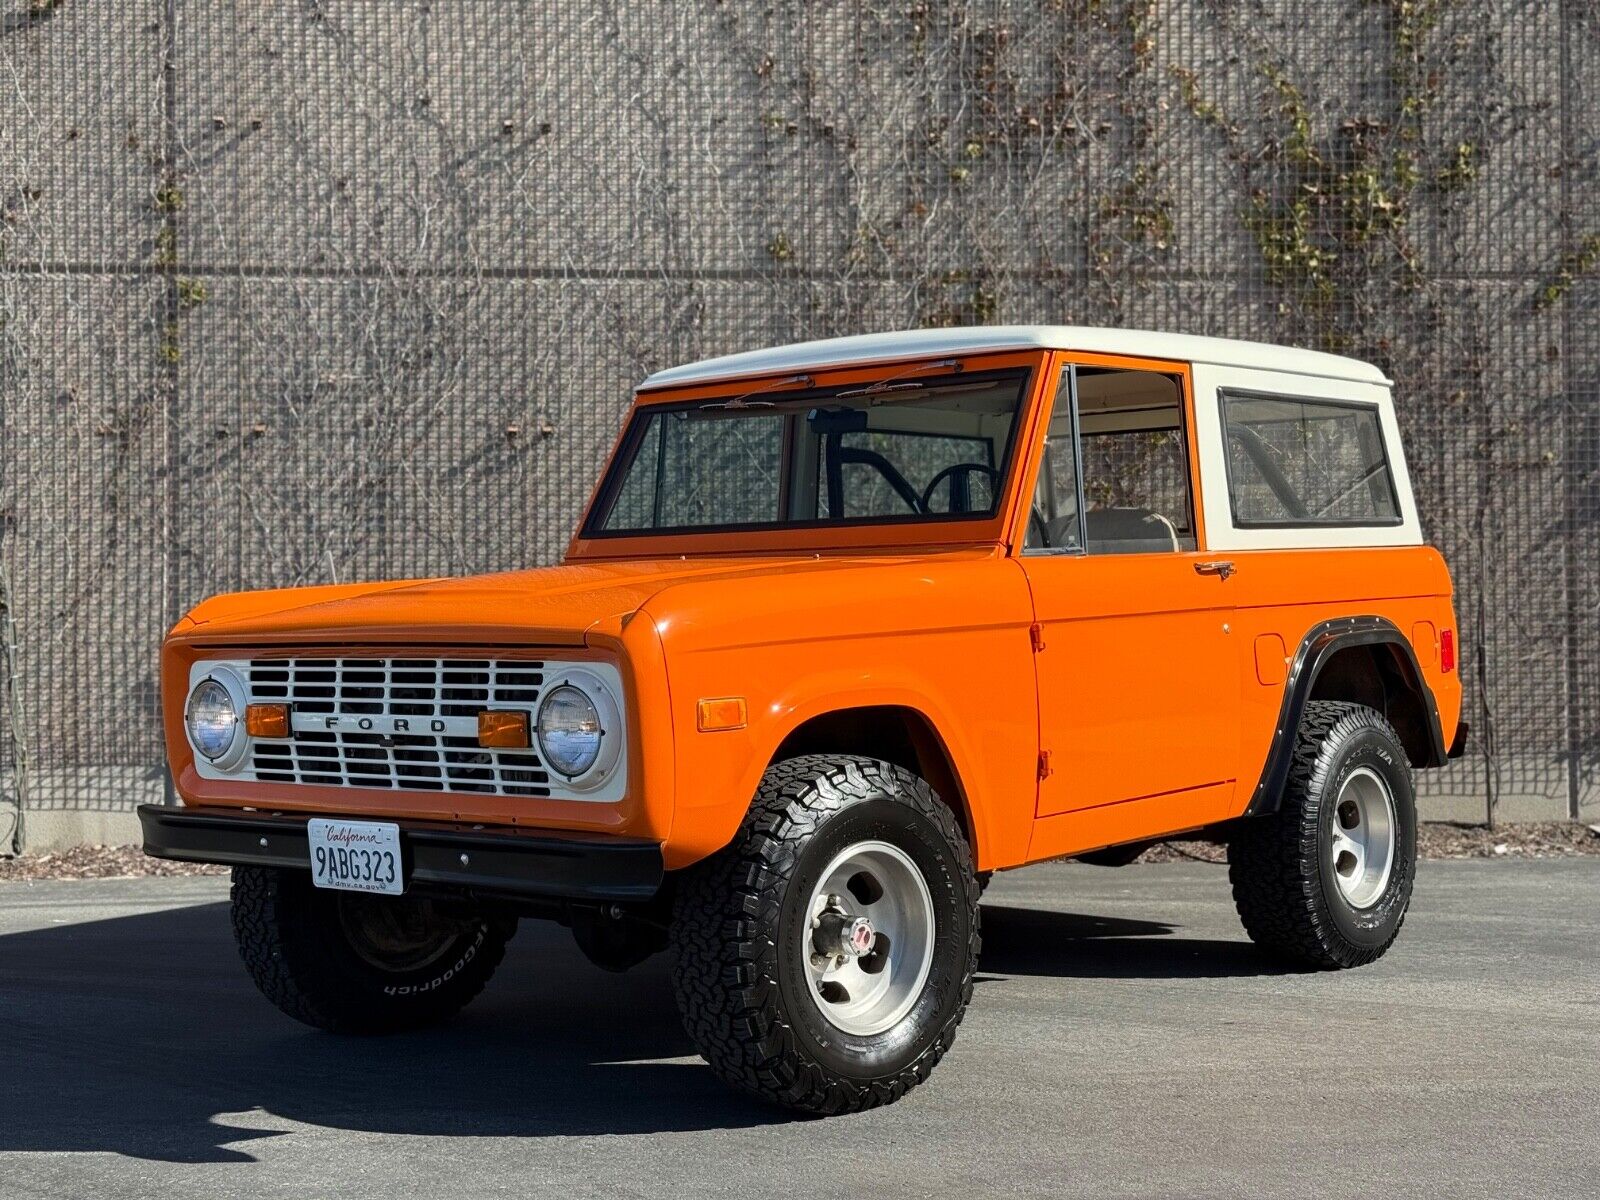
x=143, y=1036
x=1065, y=945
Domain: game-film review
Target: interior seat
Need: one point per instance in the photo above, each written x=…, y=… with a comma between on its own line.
x=1129, y=531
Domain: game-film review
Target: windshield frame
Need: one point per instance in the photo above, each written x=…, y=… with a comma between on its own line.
x=868, y=533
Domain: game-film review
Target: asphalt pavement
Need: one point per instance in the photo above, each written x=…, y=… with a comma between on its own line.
x=1124, y=1040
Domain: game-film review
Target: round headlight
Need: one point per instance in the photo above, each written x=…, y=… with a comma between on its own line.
x=569, y=730
x=213, y=719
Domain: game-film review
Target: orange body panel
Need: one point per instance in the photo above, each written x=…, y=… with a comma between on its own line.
x=944, y=635
x=1138, y=688
x=1139, y=654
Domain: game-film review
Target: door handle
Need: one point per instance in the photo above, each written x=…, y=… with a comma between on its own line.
x=1221, y=568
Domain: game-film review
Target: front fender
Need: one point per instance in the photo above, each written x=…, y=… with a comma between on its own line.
x=842, y=691
x=988, y=733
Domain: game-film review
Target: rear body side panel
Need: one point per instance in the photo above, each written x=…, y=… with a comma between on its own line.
x=1289, y=581
x=1286, y=594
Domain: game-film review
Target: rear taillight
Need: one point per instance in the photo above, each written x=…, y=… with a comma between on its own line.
x=1447, y=650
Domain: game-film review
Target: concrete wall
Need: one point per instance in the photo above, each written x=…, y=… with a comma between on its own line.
x=350, y=288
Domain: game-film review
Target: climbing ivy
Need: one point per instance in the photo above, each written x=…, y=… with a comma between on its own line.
x=1331, y=203
x=1575, y=263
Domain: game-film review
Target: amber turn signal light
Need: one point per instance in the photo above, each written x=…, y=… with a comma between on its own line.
x=507, y=730
x=266, y=720
x=727, y=712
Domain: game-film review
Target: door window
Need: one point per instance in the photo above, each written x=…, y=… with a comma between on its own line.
x=1114, y=477
x=1055, y=523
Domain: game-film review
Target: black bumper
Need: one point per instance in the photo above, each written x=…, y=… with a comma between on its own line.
x=500, y=861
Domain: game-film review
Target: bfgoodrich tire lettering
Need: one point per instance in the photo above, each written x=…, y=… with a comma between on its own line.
x=1282, y=866
x=297, y=944
x=741, y=918
x=468, y=955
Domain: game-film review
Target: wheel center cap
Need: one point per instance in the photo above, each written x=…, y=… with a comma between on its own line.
x=838, y=934
x=858, y=936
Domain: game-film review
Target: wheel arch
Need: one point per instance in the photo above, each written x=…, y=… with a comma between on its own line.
x=1363, y=660
x=899, y=733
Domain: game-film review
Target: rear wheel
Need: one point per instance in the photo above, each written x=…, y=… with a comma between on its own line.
x=353, y=963
x=1326, y=880
x=824, y=960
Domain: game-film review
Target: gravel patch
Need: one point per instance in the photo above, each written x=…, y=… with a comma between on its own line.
x=1548, y=839
x=1442, y=839
x=98, y=862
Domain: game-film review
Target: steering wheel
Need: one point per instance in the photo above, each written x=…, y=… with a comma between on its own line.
x=960, y=489
x=1036, y=524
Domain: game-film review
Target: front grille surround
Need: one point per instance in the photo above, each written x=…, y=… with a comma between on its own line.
x=405, y=722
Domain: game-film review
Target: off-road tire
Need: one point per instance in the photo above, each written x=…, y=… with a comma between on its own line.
x=293, y=943
x=738, y=915
x=1278, y=864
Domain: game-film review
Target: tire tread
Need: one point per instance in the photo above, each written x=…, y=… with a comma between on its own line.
x=1274, y=861
x=275, y=938
x=726, y=904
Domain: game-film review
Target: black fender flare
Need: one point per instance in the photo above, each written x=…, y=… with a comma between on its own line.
x=1319, y=645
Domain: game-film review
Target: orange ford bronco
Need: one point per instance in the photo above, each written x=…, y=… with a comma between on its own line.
x=847, y=627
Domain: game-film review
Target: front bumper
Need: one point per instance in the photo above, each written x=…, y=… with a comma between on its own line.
x=502, y=861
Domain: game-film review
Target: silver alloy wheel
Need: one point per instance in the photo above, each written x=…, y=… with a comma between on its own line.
x=868, y=945
x=1361, y=852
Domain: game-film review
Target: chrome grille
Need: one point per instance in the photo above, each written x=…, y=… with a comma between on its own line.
x=418, y=688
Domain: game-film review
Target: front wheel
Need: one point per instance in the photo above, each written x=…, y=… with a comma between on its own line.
x=354, y=963
x=824, y=960
x=1326, y=880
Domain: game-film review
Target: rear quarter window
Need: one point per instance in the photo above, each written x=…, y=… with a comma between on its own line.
x=1295, y=462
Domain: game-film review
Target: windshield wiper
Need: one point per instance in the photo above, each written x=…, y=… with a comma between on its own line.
x=892, y=384
x=743, y=401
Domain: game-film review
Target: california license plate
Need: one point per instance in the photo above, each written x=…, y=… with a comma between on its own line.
x=355, y=856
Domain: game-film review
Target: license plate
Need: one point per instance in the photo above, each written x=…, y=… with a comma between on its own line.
x=355, y=856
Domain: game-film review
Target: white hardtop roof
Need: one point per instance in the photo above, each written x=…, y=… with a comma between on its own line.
x=919, y=343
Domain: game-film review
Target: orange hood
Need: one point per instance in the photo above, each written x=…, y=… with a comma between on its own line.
x=551, y=605
x=548, y=605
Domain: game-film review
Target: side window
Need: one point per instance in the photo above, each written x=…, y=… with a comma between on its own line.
x=1135, y=463
x=1054, y=523
x=1131, y=453
x=1295, y=462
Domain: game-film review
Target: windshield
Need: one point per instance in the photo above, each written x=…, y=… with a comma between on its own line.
x=908, y=448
